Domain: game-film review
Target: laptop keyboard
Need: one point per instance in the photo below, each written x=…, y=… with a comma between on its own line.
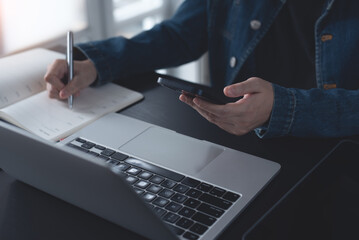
x=189, y=206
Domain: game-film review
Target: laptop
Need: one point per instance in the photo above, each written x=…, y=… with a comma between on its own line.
x=148, y=179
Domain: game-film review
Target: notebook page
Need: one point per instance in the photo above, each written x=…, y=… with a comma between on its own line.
x=51, y=119
x=22, y=75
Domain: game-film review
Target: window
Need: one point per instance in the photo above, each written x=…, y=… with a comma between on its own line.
x=43, y=23
x=133, y=16
x=25, y=23
x=129, y=9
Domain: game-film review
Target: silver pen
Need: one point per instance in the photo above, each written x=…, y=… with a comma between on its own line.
x=70, y=63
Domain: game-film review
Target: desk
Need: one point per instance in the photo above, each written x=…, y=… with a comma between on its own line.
x=27, y=213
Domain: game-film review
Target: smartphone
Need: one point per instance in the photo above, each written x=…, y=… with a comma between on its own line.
x=195, y=90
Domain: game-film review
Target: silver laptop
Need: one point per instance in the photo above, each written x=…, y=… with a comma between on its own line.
x=148, y=179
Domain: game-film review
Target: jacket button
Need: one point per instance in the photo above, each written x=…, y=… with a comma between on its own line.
x=232, y=62
x=326, y=37
x=255, y=24
x=329, y=86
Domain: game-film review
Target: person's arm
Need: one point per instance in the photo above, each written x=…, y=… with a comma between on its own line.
x=313, y=113
x=274, y=111
x=179, y=40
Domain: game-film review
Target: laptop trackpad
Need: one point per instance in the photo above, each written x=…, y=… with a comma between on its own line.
x=172, y=150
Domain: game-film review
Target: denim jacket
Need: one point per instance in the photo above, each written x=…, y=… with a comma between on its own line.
x=230, y=30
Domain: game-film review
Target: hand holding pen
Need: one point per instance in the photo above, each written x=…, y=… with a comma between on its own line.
x=83, y=74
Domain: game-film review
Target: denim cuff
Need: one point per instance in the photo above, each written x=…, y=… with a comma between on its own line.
x=282, y=115
x=104, y=73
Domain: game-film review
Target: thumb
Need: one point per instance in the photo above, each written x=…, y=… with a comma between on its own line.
x=251, y=85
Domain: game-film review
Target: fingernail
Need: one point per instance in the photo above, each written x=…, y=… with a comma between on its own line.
x=228, y=90
x=64, y=94
x=196, y=101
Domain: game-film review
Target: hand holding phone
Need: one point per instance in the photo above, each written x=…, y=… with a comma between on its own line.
x=195, y=90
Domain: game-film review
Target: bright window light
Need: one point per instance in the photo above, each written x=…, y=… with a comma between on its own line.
x=127, y=9
x=29, y=22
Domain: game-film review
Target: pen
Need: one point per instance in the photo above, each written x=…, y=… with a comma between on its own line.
x=70, y=63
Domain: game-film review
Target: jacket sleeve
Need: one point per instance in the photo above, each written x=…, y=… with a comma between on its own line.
x=312, y=113
x=176, y=41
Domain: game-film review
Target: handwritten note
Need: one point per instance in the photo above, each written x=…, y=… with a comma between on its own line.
x=52, y=119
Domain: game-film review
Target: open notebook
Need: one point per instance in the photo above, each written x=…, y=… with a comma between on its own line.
x=24, y=101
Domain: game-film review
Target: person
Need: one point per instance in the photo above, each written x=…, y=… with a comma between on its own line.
x=294, y=62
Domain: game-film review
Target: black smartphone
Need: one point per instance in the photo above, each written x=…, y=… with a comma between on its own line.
x=193, y=89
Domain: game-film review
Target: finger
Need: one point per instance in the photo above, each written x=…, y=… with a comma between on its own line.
x=189, y=100
x=55, y=73
x=252, y=85
x=85, y=74
x=72, y=88
x=215, y=109
x=221, y=122
x=55, y=82
x=186, y=99
x=54, y=94
x=58, y=67
x=207, y=115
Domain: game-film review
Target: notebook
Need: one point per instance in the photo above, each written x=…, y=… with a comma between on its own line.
x=24, y=100
x=148, y=179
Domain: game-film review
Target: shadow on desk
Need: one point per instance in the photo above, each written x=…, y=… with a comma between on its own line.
x=323, y=205
x=32, y=214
